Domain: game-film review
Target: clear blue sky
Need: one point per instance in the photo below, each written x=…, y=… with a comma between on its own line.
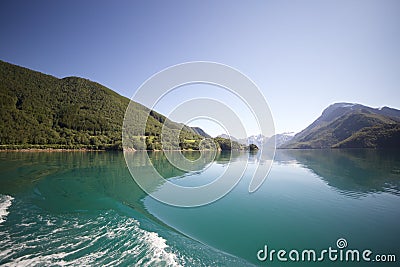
x=304, y=55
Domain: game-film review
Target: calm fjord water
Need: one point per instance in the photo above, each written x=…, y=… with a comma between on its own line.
x=85, y=209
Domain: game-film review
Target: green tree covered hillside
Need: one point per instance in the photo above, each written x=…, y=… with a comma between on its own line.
x=42, y=111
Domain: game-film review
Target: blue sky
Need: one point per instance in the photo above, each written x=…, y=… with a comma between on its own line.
x=303, y=55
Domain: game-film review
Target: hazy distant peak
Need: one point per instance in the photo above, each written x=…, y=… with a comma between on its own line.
x=289, y=133
x=200, y=132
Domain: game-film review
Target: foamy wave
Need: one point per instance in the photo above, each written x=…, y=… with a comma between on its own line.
x=5, y=203
x=108, y=240
x=157, y=253
x=37, y=238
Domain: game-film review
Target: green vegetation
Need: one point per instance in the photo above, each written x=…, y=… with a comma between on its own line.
x=383, y=136
x=253, y=147
x=227, y=144
x=41, y=111
x=360, y=127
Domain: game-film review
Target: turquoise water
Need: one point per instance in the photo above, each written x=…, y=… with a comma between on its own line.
x=83, y=208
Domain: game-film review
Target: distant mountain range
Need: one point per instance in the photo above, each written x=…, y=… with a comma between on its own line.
x=260, y=139
x=349, y=125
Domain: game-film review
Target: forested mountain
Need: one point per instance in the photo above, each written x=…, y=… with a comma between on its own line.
x=42, y=111
x=347, y=125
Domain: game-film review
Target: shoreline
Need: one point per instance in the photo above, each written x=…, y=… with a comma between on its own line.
x=49, y=150
x=41, y=148
x=52, y=150
x=96, y=150
x=130, y=150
